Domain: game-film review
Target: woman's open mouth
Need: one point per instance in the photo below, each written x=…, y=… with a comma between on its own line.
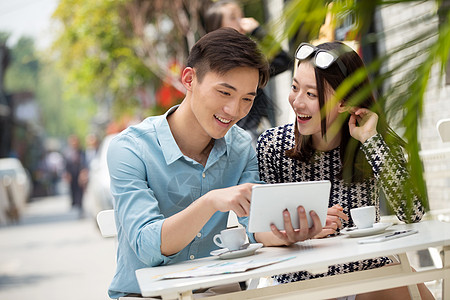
x=303, y=118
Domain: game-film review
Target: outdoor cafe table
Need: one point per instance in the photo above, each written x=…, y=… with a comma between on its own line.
x=315, y=256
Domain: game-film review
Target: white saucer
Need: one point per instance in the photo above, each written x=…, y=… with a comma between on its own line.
x=224, y=253
x=376, y=228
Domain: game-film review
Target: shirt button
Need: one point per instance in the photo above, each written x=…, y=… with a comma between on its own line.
x=192, y=257
x=199, y=234
x=203, y=175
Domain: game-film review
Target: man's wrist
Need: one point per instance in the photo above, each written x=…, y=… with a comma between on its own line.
x=207, y=202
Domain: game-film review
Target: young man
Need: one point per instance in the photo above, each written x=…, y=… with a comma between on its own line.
x=175, y=177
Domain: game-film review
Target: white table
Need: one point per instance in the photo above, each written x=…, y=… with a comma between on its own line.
x=315, y=256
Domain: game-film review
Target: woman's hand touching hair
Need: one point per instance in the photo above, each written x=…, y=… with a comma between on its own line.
x=362, y=124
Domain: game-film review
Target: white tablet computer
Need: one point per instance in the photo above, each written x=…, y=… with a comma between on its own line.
x=270, y=200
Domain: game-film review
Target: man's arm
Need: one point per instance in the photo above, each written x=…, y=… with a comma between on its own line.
x=180, y=229
x=152, y=236
x=139, y=219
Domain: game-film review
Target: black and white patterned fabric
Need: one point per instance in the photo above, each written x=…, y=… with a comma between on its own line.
x=389, y=173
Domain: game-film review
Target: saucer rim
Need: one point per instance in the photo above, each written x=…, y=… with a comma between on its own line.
x=376, y=228
x=236, y=253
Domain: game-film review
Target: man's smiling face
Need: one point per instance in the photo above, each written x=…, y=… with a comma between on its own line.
x=220, y=101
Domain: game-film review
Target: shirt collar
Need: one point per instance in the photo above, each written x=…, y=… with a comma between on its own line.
x=219, y=149
x=169, y=147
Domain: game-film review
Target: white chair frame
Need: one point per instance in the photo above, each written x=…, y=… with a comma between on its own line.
x=106, y=223
x=443, y=127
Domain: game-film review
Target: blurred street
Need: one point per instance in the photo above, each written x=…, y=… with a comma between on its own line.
x=53, y=254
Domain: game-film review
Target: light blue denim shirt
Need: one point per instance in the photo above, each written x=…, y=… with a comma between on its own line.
x=152, y=180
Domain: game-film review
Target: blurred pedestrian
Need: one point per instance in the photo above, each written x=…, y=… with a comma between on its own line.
x=54, y=161
x=75, y=160
x=91, y=149
x=228, y=13
x=89, y=153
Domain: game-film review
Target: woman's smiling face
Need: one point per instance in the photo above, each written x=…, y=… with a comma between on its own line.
x=304, y=100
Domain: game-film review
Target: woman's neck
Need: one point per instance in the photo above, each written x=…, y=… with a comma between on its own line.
x=325, y=143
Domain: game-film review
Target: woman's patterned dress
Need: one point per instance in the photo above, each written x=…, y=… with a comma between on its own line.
x=389, y=170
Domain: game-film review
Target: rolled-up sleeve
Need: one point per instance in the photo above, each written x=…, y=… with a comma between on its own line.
x=137, y=211
x=389, y=167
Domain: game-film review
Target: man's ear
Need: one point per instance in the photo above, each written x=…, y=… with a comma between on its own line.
x=187, y=77
x=342, y=107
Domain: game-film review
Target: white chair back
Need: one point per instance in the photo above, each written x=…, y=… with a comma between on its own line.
x=107, y=223
x=443, y=127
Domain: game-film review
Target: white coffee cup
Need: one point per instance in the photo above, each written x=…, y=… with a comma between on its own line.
x=232, y=238
x=363, y=217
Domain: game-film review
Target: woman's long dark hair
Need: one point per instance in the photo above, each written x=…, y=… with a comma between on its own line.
x=355, y=167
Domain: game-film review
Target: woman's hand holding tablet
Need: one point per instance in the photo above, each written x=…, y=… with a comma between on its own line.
x=270, y=202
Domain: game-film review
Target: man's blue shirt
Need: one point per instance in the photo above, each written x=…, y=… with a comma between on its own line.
x=151, y=180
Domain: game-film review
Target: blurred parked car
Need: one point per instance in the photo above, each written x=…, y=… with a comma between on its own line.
x=97, y=196
x=15, y=189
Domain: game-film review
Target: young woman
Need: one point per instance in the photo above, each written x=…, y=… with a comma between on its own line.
x=338, y=141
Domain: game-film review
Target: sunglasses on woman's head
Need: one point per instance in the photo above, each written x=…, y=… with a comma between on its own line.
x=322, y=59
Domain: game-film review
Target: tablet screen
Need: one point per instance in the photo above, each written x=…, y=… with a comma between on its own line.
x=270, y=200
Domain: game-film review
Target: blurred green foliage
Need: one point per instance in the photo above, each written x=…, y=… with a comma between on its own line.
x=24, y=67
x=30, y=70
x=95, y=52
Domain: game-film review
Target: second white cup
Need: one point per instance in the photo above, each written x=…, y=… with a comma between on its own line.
x=232, y=238
x=363, y=217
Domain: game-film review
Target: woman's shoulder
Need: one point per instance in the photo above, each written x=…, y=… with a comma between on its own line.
x=278, y=133
x=281, y=138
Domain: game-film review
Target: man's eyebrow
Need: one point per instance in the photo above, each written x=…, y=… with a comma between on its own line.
x=234, y=89
x=308, y=85
x=228, y=86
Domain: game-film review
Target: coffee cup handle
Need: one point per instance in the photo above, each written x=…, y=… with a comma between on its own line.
x=218, y=241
